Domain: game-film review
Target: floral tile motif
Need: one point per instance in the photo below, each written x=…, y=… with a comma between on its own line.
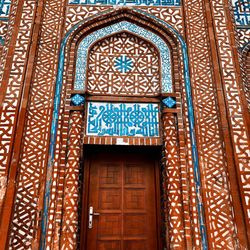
x=123, y=64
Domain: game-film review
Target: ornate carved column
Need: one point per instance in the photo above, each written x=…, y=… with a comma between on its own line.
x=172, y=184
x=70, y=222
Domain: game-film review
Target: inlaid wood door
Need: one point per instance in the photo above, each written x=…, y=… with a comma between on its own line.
x=122, y=192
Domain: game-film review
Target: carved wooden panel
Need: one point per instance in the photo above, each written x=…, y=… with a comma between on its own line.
x=122, y=190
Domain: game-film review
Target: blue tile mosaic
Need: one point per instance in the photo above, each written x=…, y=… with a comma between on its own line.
x=122, y=119
x=5, y=8
x=77, y=100
x=123, y=63
x=128, y=2
x=169, y=102
x=82, y=53
x=242, y=12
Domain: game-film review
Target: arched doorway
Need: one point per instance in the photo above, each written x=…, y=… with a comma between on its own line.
x=167, y=100
x=121, y=185
x=121, y=202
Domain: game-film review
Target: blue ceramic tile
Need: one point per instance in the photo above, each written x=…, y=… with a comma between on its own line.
x=169, y=102
x=5, y=8
x=77, y=100
x=242, y=12
x=123, y=119
x=128, y=2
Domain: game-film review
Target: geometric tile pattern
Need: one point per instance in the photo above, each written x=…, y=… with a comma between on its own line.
x=11, y=88
x=169, y=102
x=76, y=13
x=238, y=126
x=171, y=189
x=7, y=24
x=70, y=225
x=39, y=113
x=123, y=64
x=33, y=158
x=128, y=2
x=81, y=62
x=3, y=33
x=122, y=119
x=6, y=28
x=213, y=164
x=77, y=100
x=241, y=12
x=243, y=36
x=11, y=92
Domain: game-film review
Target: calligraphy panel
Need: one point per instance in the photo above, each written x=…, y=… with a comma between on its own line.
x=122, y=119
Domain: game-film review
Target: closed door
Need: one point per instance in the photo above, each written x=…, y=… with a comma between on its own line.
x=122, y=202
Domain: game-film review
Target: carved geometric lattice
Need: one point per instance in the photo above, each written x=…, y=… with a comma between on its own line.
x=44, y=76
x=172, y=184
x=70, y=222
x=76, y=13
x=123, y=64
x=221, y=229
x=123, y=26
x=33, y=159
x=237, y=119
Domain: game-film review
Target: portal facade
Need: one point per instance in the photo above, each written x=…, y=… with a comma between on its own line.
x=124, y=125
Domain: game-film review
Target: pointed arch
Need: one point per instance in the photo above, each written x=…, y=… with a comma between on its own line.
x=157, y=41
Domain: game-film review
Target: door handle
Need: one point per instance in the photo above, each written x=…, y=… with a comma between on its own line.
x=91, y=214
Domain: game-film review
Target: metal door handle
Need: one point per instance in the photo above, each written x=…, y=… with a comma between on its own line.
x=91, y=214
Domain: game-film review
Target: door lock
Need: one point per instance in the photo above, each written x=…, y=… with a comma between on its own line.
x=91, y=214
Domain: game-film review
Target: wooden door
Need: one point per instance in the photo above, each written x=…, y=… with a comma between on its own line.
x=122, y=190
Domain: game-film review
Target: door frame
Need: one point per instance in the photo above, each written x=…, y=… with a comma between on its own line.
x=90, y=149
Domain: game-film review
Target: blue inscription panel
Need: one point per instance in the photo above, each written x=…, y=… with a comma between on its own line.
x=128, y=2
x=123, y=119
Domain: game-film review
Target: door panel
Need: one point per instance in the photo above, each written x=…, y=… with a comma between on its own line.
x=122, y=191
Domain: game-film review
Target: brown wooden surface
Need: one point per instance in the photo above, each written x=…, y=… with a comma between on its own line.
x=122, y=189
